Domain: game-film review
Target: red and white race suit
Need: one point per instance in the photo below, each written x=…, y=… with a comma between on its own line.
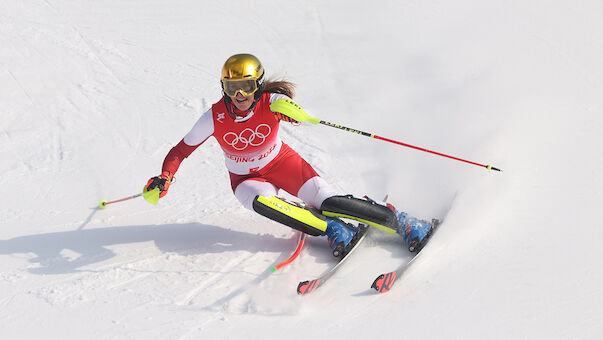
x=258, y=161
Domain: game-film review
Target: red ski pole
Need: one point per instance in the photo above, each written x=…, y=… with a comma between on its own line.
x=293, y=110
x=103, y=203
x=151, y=197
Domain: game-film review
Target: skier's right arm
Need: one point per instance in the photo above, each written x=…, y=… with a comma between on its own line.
x=202, y=130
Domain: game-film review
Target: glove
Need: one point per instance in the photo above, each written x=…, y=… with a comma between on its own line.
x=162, y=182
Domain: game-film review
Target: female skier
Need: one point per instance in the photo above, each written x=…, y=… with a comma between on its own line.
x=260, y=164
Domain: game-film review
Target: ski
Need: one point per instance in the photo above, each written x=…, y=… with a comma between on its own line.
x=306, y=287
x=384, y=282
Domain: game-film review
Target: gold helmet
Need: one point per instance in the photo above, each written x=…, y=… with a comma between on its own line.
x=243, y=73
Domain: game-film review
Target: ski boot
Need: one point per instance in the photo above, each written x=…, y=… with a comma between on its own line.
x=340, y=235
x=414, y=232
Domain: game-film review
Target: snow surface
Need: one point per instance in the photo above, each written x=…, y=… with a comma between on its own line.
x=93, y=94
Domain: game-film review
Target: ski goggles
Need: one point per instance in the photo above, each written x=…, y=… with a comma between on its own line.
x=245, y=86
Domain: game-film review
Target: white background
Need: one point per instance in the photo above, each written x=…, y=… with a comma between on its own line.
x=94, y=94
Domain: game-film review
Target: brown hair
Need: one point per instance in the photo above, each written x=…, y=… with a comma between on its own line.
x=280, y=86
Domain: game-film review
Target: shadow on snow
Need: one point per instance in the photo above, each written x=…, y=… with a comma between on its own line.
x=184, y=239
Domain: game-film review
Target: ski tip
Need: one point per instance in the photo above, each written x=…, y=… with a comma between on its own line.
x=384, y=282
x=306, y=287
x=273, y=269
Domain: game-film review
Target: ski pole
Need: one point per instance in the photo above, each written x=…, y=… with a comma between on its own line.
x=103, y=203
x=151, y=197
x=300, y=245
x=293, y=110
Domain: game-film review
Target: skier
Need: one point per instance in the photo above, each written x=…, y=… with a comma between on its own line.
x=260, y=164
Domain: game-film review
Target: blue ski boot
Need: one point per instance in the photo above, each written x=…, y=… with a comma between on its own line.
x=339, y=234
x=414, y=232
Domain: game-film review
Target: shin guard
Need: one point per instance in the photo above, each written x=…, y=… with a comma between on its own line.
x=365, y=211
x=304, y=220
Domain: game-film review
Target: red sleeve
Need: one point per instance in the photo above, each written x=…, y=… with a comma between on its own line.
x=176, y=156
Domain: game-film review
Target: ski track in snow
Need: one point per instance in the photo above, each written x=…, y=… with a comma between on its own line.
x=93, y=96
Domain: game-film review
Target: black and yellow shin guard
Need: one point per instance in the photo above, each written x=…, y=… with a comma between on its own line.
x=362, y=210
x=304, y=220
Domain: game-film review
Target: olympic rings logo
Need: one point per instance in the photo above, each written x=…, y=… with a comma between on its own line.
x=248, y=137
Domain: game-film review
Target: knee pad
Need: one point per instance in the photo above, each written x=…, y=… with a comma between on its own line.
x=308, y=221
x=363, y=210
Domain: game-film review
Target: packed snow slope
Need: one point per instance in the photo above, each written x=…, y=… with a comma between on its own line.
x=93, y=94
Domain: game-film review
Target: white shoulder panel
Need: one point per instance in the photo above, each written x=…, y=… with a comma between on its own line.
x=202, y=129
